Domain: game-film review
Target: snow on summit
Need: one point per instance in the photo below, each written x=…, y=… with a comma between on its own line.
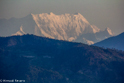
x=63, y=26
x=20, y=32
x=109, y=31
x=70, y=27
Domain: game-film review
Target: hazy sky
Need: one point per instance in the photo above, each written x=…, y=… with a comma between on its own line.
x=102, y=13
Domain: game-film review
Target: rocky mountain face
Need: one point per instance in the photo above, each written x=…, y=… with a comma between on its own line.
x=70, y=27
x=37, y=59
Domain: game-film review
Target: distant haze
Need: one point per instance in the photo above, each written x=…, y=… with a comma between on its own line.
x=102, y=13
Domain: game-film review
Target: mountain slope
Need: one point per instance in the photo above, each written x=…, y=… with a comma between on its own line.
x=43, y=60
x=116, y=42
x=20, y=32
x=70, y=27
x=11, y=26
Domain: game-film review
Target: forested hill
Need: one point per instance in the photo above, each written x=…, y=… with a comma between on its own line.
x=43, y=60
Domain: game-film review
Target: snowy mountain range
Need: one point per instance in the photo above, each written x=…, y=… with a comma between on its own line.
x=70, y=27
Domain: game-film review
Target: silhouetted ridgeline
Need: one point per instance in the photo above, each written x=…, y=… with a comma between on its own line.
x=43, y=60
x=116, y=42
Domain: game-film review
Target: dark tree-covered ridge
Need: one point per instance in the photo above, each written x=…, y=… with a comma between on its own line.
x=43, y=60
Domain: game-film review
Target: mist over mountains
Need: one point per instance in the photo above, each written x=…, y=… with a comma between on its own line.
x=70, y=27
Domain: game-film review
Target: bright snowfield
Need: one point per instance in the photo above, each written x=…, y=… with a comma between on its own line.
x=70, y=27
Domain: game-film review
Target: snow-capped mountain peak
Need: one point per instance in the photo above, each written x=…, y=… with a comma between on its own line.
x=63, y=26
x=70, y=27
x=95, y=28
x=109, y=31
x=51, y=13
x=20, y=32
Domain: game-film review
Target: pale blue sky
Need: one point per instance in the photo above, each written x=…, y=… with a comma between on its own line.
x=102, y=13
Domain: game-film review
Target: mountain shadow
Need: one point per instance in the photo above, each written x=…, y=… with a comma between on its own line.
x=43, y=60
